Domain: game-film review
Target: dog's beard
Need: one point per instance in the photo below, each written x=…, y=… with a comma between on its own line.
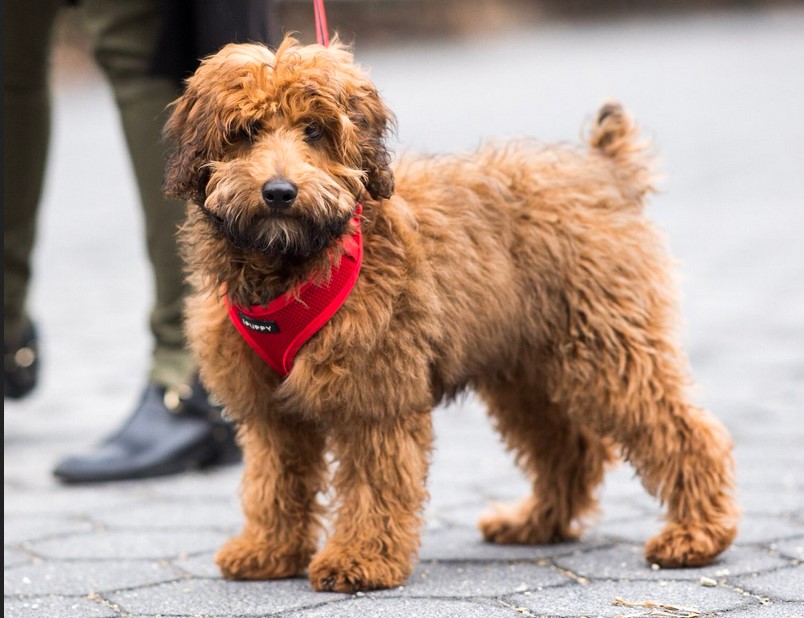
x=278, y=235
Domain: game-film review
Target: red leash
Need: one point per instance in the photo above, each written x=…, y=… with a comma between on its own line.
x=321, y=31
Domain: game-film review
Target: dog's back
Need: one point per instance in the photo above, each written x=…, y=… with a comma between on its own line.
x=515, y=230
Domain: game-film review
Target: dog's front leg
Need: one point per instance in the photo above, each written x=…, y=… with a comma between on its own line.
x=380, y=489
x=284, y=471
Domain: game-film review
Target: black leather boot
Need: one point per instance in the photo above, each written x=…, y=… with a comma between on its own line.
x=21, y=364
x=170, y=431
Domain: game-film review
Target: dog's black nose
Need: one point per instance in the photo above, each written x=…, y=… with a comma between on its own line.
x=279, y=194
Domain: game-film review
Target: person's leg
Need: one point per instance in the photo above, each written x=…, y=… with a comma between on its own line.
x=26, y=129
x=174, y=427
x=124, y=37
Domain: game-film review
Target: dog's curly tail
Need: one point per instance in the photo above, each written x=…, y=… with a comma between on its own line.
x=616, y=136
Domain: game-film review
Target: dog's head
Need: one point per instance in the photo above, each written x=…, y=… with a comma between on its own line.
x=277, y=148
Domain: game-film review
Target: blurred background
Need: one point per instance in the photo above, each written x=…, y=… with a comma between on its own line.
x=717, y=85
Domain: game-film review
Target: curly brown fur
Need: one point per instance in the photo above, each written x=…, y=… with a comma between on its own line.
x=524, y=271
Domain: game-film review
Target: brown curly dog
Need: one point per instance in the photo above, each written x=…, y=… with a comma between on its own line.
x=525, y=272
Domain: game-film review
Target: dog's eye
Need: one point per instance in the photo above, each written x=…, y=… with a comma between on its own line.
x=313, y=132
x=243, y=135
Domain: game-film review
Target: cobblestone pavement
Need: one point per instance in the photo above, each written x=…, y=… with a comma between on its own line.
x=721, y=94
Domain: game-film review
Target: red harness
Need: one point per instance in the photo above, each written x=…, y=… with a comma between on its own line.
x=279, y=329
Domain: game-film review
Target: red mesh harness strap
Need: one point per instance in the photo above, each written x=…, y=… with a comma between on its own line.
x=279, y=329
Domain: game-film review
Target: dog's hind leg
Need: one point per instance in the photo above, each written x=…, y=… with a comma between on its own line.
x=632, y=388
x=687, y=463
x=380, y=489
x=284, y=471
x=564, y=462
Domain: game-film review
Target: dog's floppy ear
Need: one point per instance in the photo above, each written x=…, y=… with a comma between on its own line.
x=374, y=121
x=185, y=174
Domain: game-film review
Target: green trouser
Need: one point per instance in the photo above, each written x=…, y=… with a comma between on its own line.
x=124, y=34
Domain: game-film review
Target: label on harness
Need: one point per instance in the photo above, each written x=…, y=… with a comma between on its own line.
x=261, y=326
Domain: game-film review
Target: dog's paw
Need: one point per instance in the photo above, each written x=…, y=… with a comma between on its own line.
x=518, y=525
x=688, y=545
x=342, y=570
x=244, y=558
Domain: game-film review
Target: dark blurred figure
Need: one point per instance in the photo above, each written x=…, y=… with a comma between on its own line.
x=145, y=48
